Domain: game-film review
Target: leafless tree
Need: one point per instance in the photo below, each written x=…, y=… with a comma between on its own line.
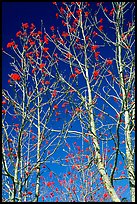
x=100, y=111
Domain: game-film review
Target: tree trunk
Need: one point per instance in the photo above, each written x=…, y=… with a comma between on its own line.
x=129, y=153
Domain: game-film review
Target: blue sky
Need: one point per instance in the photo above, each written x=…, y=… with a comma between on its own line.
x=16, y=13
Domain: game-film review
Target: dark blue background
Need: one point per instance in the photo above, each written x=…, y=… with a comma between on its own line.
x=16, y=13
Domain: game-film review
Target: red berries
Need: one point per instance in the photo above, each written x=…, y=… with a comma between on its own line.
x=96, y=55
x=52, y=28
x=29, y=193
x=54, y=93
x=50, y=174
x=94, y=47
x=27, y=173
x=105, y=195
x=109, y=62
x=73, y=76
x=10, y=44
x=15, y=77
x=55, y=106
x=18, y=34
x=100, y=28
x=26, y=47
x=25, y=25
x=9, y=140
x=95, y=74
x=45, y=49
x=50, y=183
x=4, y=111
x=77, y=109
x=85, y=140
x=86, y=14
x=115, y=99
x=41, y=66
x=77, y=71
x=69, y=55
x=47, y=82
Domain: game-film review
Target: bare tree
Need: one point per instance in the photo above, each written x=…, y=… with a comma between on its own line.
x=78, y=48
x=91, y=69
x=28, y=140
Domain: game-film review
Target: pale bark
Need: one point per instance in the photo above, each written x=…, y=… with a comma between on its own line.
x=38, y=151
x=129, y=150
x=98, y=161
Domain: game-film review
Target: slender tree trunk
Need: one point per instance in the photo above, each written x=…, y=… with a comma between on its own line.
x=130, y=157
x=98, y=160
x=38, y=155
x=129, y=153
x=99, y=163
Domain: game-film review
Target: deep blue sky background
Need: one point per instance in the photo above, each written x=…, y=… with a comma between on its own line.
x=16, y=13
